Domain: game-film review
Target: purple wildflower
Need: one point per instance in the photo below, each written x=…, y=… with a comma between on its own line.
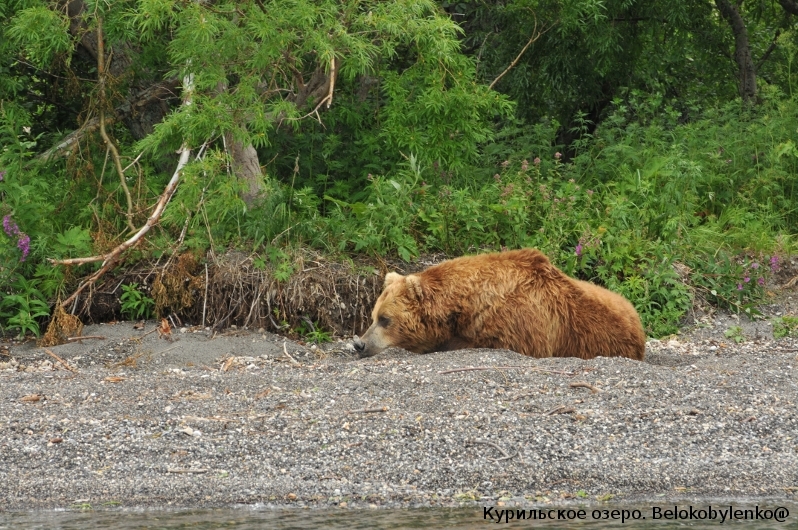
x=774, y=264
x=760, y=281
x=755, y=265
x=558, y=155
x=747, y=279
x=524, y=165
x=12, y=230
x=739, y=287
x=579, y=249
x=9, y=226
x=536, y=161
x=23, y=243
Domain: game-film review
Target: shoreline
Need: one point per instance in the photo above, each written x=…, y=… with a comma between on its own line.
x=204, y=422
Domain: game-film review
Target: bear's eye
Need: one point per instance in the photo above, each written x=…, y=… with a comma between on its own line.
x=383, y=321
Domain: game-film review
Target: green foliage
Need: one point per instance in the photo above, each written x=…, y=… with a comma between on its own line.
x=20, y=307
x=312, y=333
x=41, y=32
x=786, y=326
x=735, y=333
x=615, y=143
x=135, y=304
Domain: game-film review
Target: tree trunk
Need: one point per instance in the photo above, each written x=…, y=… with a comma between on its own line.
x=246, y=167
x=790, y=6
x=742, y=49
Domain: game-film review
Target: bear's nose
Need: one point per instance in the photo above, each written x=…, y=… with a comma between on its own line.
x=359, y=344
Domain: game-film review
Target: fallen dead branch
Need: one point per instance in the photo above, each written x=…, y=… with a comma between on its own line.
x=60, y=360
x=499, y=449
x=559, y=409
x=293, y=361
x=109, y=259
x=187, y=470
x=368, y=411
x=79, y=339
x=584, y=384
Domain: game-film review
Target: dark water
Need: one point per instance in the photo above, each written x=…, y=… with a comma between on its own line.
x=651, y=516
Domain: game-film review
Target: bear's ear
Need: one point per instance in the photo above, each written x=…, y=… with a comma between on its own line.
x=391, y=278
x=414, y=286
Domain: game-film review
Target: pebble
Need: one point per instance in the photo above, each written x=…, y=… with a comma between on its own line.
x=709, y=418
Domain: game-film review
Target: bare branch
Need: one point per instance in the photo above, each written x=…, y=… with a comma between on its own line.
x=155, y=92
x=112, y=257
x=111, y=146
x=535, y=36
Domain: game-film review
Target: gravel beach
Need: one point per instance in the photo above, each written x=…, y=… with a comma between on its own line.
x=247, y=417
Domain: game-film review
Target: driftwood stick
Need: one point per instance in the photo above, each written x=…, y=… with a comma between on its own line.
x=505, y=456
x=368, y=411
x=293, y=361
x=60, y=360
x=584, y=384
x=79, y=339
x=559, y=409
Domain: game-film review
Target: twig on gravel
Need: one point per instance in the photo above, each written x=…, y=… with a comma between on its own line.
x=166, y=350
x=499, y=449
x=559, y=409
x=185, y=470
x=86, y=337
x=150, y=331
x=585, y=384
x=367, y=411
x=293, y=361
x=534, y=369
x=60, y=360
x=205, y=299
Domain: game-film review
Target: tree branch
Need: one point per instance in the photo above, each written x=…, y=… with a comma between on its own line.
x=142, y=99
x=111, y=146
x=770, y=49
x=535, y=36
x=112, y=257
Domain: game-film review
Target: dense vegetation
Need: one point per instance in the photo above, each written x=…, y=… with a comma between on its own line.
x=649, y=146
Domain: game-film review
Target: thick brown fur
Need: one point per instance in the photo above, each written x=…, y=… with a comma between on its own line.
x=515, y=300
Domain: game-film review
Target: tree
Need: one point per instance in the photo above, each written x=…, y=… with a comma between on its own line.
x=262, y=66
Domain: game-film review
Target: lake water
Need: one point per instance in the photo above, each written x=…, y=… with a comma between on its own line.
x=650, y=516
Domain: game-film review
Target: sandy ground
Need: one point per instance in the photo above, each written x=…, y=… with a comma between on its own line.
x=247, y=417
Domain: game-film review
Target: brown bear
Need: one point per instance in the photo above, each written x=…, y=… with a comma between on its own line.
x=515, y=300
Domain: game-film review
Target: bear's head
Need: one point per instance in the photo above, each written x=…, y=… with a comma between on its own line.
x=397, y=318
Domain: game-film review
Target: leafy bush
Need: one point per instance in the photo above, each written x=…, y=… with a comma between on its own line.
x=135, y=304
x=786, y=326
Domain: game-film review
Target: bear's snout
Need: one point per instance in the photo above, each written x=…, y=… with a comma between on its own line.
x=359, y=345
